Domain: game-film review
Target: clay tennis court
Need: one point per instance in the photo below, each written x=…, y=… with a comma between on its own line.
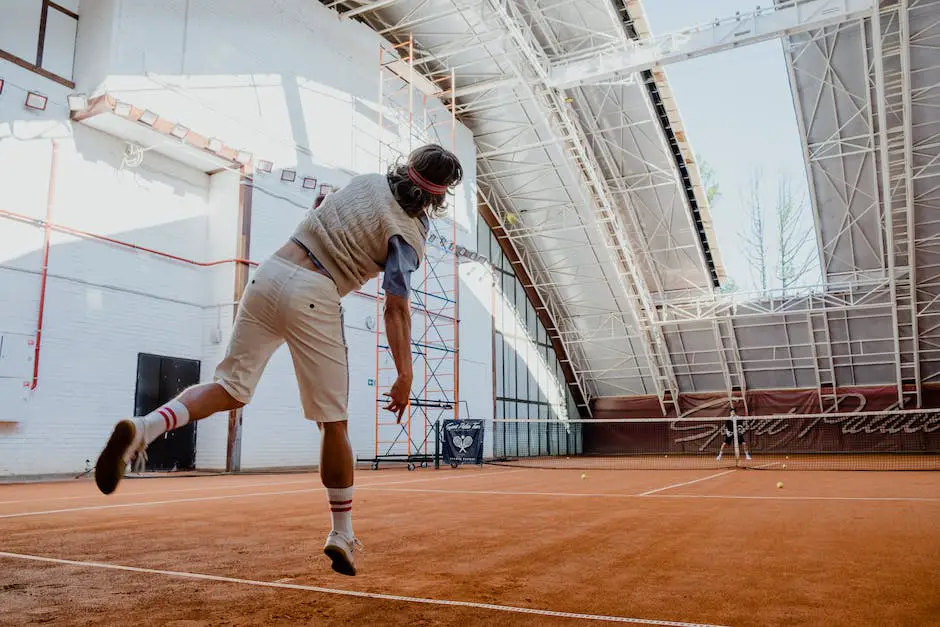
x=486, y=546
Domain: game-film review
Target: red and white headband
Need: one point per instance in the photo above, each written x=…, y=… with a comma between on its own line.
x=423, y=183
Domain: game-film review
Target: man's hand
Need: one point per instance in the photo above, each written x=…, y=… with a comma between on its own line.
x=400, y=393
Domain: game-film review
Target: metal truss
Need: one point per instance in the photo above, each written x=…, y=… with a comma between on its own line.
x=590, y=209
x=920, y=74
x=491, y=96
x=857, y=296
x=872, y=147
x=548, y=306
x=632, y=292
x=888, y=40
x=783, y=18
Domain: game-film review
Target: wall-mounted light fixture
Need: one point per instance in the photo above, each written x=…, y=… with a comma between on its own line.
x=77, y=102
x=148, y=117
x=36, y=101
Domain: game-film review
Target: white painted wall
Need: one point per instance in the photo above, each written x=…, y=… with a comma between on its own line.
x=104, y=304
x=296, y=86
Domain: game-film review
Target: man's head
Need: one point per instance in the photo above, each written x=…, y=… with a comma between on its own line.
x=421, y=186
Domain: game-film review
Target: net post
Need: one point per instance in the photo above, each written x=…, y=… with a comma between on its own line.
x=734, y=436
x=548, y=438
x=437, y=444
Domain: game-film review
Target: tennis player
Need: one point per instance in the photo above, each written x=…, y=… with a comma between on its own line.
x=375, y=223
x=729, y=433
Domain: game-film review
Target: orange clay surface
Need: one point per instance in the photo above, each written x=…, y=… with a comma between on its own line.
x=707, y=547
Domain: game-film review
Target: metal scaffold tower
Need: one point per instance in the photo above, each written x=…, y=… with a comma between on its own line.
x=412, y=113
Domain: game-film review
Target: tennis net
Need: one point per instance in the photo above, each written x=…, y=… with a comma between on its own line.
x=891, y=440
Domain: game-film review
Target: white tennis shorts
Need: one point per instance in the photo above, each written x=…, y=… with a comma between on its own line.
x=285, y=303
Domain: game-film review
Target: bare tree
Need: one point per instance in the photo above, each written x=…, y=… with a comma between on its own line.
x=795, y=254
x=754, y=236
x=794, y=257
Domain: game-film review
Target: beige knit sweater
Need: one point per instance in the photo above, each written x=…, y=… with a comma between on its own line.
x=349, y=232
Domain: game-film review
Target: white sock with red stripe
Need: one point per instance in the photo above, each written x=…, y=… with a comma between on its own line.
x=171, y=416
x=341, y=509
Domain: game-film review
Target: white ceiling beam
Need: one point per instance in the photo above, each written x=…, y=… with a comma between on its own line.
x=787, y=18
x=630, y=288
x=365, y=8
x=907, y=112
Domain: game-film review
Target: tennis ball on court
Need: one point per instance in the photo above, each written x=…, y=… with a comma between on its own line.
x=583, y=476
x=780, y=484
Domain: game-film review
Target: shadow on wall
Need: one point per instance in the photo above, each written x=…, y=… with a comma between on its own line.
x=96, y=148
x=104, y=304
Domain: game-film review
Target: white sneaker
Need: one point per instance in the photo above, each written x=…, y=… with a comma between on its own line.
x=339, y=547
x=719, y=457
x=747, y=456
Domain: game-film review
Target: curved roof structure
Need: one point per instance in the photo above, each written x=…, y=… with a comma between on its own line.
x=590, y=183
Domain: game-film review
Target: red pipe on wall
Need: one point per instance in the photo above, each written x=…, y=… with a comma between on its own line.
x=47, y=236
x=48, y=226
x=19, y=217
x=159, y=253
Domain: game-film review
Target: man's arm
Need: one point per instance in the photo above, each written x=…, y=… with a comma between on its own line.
x=398, y=331
x=401, y=262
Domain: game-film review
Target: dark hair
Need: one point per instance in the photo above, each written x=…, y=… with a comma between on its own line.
x=435, y=164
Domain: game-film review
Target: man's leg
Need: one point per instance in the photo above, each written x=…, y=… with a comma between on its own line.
x=135, y=434
x=195, y=403
x=317, y=344
x=721, y=451
x=336, y=473
x=254, y=339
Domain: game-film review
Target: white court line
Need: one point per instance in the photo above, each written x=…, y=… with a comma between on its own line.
x=216, y=488
x=213, y=488
x=380, y=487
x=173, y=491
x=503, y=492
x=222, y=497
x=654, y=496
x=352, y=593
x=913, y=499
x=767, y=465
x=679, y=485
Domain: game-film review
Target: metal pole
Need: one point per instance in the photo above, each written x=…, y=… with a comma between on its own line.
x=734, y=434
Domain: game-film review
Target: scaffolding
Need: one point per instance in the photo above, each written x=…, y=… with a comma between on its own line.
x=411, y=113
